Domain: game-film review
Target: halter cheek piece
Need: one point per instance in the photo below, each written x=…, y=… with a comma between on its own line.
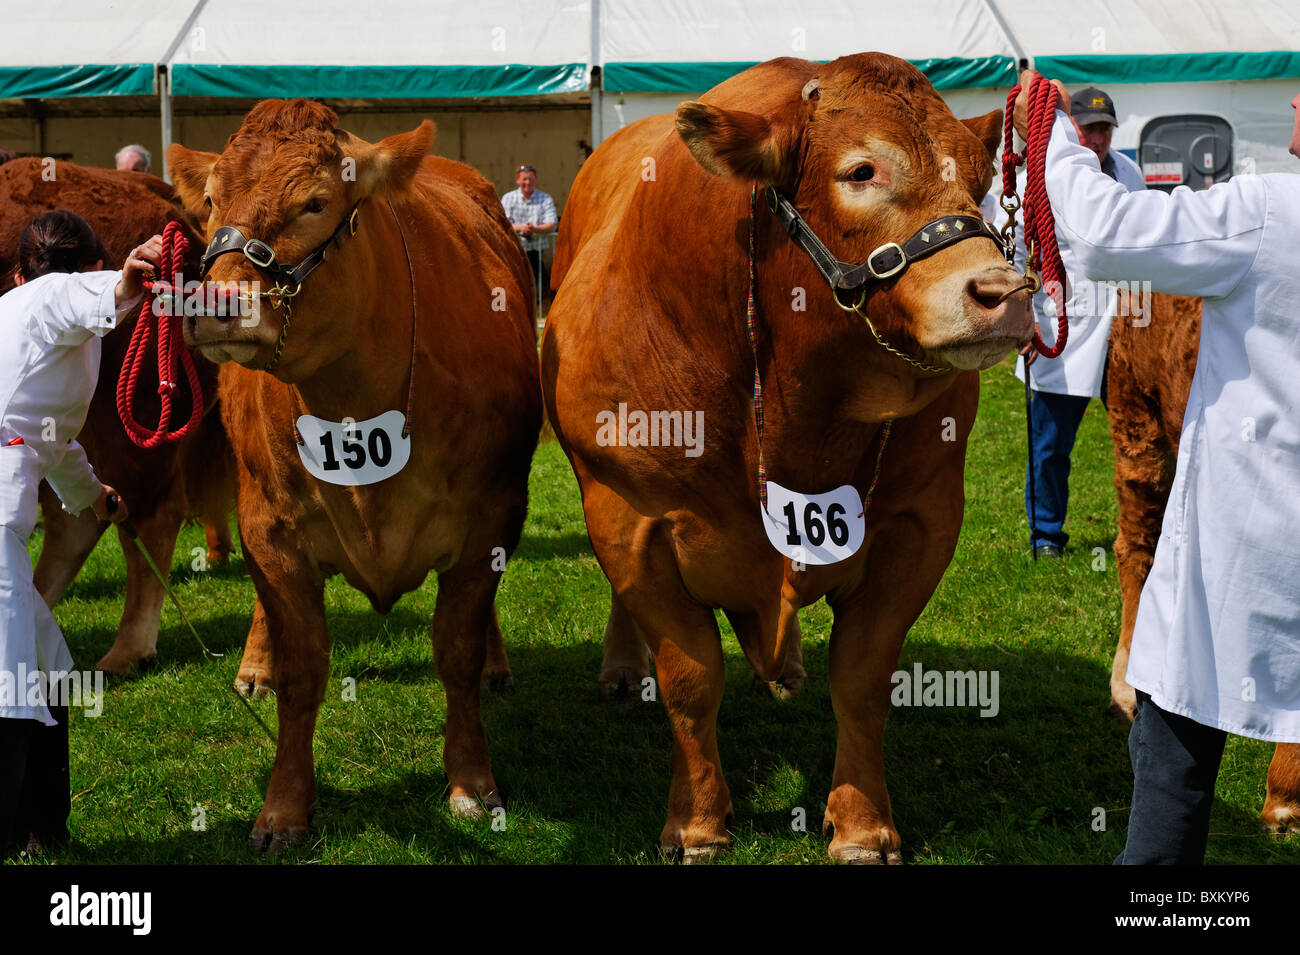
x=288, y=279
x=885, y=262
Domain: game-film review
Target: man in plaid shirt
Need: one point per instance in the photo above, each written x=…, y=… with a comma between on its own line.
x=532, y=213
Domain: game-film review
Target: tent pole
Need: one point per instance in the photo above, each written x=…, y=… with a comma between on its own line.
x=165, y=109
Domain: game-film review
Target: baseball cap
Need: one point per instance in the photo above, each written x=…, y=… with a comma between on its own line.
x=1091, y=105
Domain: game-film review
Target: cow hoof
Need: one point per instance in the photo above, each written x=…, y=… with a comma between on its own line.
x=274, y=841
x=502, y=683
x=1281, y=821
x=692, y=855
x=858, y=855
x=118, y=663
x=622, y=683
x=475, y=807
x=254, y=687
x=1123, y=705
x=216, y=558
x=786, y=688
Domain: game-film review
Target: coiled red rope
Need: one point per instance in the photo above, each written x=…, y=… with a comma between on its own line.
x=1040, y=225
x=171, y=351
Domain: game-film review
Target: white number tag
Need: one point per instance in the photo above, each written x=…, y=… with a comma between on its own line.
x=815, y=528
x=354, y=453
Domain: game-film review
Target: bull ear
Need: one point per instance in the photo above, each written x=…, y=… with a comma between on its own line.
x=390, y=164
x=735, y=143
x=988, y=129
x=190, y=170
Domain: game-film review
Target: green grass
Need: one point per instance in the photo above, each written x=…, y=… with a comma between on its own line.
x=587, y=782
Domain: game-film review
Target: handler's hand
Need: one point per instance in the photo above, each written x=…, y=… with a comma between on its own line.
x=140, y=265
x=1029, y=353
x=1020, y=114
x=100, y=507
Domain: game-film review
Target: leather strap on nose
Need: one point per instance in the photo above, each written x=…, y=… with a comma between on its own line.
x=886, y=261
x=228, y=239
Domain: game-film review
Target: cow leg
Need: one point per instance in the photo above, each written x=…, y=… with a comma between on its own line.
x=1142, y=479
x=220, y=544
x=137, y=635
x=256, y=677
x=68, y=542
x=461, y=621
x=496, y=668
x=627, y=659
x=1282, y=807
x=294, y=610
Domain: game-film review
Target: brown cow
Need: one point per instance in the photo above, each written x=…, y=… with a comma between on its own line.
x=652, y=314
x=425, y=297
x=1148, y=377
x=162, y=486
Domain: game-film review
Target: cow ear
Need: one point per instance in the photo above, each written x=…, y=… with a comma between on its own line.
x=390, y=164
x=190, y=170
x=735, y=143
x=988, y=129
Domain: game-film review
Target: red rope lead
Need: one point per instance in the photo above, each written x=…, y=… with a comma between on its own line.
x=1040, y=225
x=171, y=352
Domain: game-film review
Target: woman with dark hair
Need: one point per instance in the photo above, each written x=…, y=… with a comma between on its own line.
x=50, y=329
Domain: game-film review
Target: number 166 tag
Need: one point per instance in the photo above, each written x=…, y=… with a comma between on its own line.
x=354, y=452
x=815, y=528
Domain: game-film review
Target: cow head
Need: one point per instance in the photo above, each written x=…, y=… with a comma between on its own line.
x=869, y=153
x=290, y=178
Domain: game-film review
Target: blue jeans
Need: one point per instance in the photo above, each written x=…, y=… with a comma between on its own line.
x=1175, y=764
x=1055, y=421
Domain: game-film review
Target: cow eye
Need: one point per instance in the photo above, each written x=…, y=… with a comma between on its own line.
x=207, y=203
x=315, y=206
x=864, y=173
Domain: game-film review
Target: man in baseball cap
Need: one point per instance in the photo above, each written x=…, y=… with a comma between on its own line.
x=1093, y=113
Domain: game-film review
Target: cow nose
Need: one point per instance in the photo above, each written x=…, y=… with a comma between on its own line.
x=991, y=289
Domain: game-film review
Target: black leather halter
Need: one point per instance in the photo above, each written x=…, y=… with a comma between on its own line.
x=887, y=261
x=228, y=239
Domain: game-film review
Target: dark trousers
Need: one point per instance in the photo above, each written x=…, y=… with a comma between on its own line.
x=1055, y=420
x=35, y=790
x=1175, y=764
x=541, y=274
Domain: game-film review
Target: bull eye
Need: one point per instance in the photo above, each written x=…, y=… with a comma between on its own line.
x=864, y=173
x=315, y=206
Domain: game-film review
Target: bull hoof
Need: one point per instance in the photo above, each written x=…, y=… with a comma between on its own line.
x=254, y=685
x=692, y=855
x=124, y=662
x=503, y=683
x=786, y=688
x=273, y=841
x=859, y=855
x=1123, y=703
x=217, y=558
x=621, y=683
x=1281, y=821
x=474, y=807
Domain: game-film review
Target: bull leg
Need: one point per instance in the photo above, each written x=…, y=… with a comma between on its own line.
x=220, y=544
x=1282, y=807
x=1142, y=481
x=626, y=663
x=68, y=542
x=137, y=635
x=496, y=669
x=462, y=618
x=256, y=677
x=293, y=602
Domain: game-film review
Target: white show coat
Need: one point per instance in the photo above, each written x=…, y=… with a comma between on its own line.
x=49, y=363
x=1090, y=306
x=1217, y=637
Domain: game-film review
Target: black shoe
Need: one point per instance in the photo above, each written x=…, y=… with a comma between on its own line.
x=1047, y=550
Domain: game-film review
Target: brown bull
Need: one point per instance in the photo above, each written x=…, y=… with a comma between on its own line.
x=162, y=486
x=652, y=315
x=1148, y=377
x=424, y=298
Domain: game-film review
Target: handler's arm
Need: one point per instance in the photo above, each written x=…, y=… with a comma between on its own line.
x=85, y=304
x=74, y=480
x=1183, y=243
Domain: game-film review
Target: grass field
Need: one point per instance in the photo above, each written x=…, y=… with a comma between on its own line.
x=587, y=782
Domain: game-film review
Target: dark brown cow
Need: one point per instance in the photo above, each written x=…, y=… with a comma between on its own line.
x=1148, y=377
x=162, y=486
x=427, y=299
x=651, y=314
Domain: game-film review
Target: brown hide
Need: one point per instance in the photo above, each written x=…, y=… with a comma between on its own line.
x=651, y=313
x=1148, y=378
x=161, y=486
x=458, y=505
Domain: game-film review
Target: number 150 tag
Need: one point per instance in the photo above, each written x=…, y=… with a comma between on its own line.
x=355, y=453
x=815, y=528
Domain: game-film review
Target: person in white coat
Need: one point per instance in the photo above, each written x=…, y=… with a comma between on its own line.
x=1063, y=386
x=1216, y=645
x=50, y=330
